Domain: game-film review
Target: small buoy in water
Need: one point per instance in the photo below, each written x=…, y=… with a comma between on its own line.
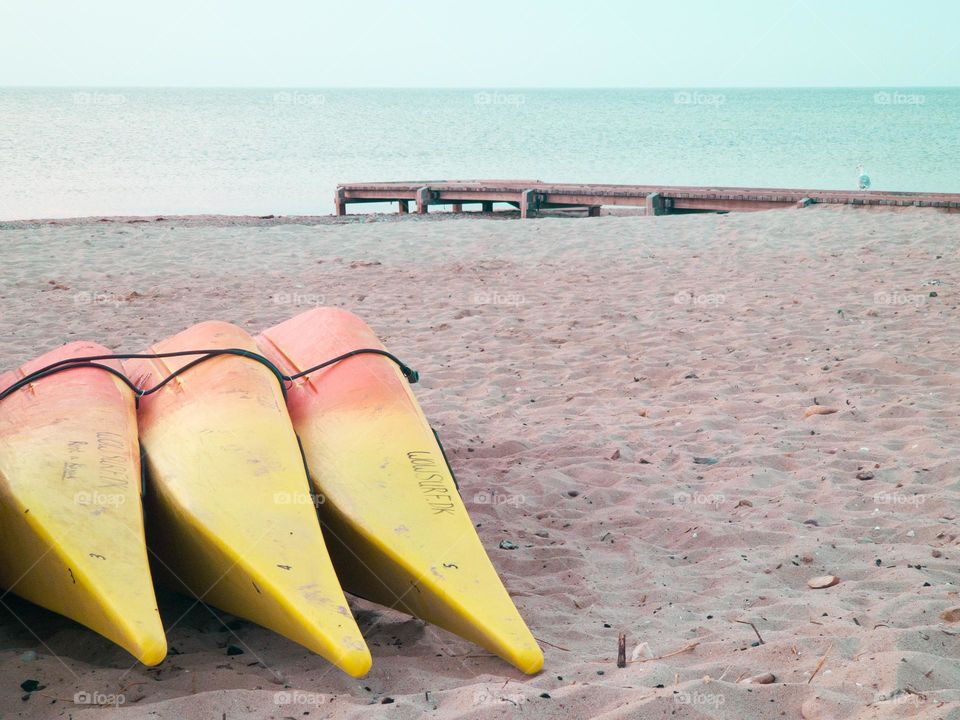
x=863, y=180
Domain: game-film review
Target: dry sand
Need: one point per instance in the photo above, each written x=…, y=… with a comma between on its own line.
x=576, y=370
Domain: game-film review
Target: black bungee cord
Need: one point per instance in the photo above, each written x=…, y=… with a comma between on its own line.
x=97, y=361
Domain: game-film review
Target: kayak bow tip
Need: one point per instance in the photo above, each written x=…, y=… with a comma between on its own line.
x=356, y=662
x=530, y=662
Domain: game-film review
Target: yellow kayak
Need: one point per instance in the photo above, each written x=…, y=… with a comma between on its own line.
x=397, y=529
x=71, y=522
x=229, y=506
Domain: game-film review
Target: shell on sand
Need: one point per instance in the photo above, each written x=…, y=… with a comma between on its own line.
x=824, y=581
x=762, y=679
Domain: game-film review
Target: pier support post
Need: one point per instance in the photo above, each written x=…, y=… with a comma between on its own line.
x=457, y=208
x=340, y=202
x=528, y=203
x=486, y=207
x=655, y=204
x=423, y=200
x=403, y=207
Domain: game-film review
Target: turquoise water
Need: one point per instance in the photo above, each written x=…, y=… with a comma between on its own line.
x=79, y=152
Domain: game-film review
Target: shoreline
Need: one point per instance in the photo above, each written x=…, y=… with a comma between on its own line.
x=201, y=220
x=242, y=220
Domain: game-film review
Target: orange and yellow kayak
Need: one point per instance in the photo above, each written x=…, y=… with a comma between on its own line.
x=71, y=521
x=396, y=527
x=229, y=506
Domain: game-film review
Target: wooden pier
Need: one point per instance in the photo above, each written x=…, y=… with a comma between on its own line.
x=530, y=196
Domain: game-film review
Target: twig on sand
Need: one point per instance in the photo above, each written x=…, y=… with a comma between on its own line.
x=551, y=644
x=622, y=650
x=470, y=655
x=745, y=622
x=681, y=651
x=820, y=664
x=124, y=688
x=52, y=697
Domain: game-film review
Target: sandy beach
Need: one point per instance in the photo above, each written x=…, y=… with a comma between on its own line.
x=680, y=422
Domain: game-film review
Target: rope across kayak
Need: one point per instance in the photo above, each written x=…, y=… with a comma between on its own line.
x=97, y=361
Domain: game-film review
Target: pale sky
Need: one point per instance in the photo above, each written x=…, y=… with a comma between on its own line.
x=499, y=43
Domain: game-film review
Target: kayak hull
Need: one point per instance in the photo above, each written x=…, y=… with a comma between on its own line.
x=397, y=529
x=230, y=510
x=71, y=522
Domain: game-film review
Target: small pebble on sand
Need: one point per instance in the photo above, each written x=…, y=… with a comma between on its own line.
x=951, y=615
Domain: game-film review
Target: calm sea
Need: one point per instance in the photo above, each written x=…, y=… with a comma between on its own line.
x=78, y=152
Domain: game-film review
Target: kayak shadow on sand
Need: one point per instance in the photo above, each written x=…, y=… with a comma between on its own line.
x=34, y=633
x=31, y=631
